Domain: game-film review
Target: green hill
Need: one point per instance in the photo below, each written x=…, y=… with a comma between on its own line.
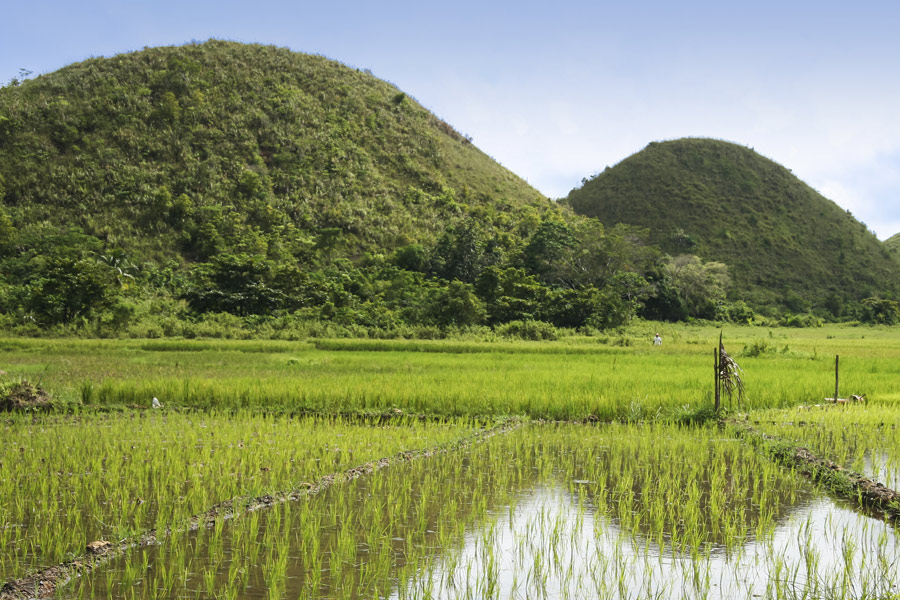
x=256, y=187
x=784, y=243
x=155, y=187
x=212, y=187
x=204, y=148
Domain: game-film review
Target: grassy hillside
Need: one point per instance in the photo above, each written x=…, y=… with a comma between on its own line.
x=192, y=150
x=197, y=189
x=784, y=243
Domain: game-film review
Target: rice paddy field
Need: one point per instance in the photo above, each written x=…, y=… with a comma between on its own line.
x=582, y=468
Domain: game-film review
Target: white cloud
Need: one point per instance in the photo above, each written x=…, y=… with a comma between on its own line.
x=841, y=134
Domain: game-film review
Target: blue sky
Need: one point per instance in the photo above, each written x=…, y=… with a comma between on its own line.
x=558, y=91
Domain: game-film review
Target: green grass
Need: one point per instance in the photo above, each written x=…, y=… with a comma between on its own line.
x=617, y=377
x=224, y=431
x=860, y=437
x=564, y=511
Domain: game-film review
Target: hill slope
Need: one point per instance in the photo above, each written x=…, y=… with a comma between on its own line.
x=784, y=243
x=197, y=148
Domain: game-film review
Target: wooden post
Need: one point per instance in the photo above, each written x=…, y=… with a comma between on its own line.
x=721, y=351
x=716, y=368
x=836, y=378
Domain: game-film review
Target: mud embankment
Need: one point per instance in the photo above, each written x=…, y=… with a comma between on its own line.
x=874, y=498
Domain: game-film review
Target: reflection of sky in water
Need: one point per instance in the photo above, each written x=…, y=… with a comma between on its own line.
x=548, y=548
x=880, y=467
x=862, y=449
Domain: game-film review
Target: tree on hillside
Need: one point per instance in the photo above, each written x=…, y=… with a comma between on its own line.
x=879, y=311
x=602, y=255
x=701, y=286
x=66, y=288
x=548, y=251
x=7, y=230
x=510, y=294
x=586, y=253
x=242, y=285
x=461, y=252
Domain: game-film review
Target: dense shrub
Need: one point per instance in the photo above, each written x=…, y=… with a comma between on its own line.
x=528, y=330
x=807, y=320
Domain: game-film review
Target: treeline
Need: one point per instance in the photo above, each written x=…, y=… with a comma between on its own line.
x=575, y=275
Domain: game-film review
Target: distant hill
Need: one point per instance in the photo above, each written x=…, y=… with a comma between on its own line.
x=145, y=191
x=785, y=244
x=189, y=151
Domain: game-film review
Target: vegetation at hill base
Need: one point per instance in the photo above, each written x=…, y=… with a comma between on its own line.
x=225, y=189
x=787, y=248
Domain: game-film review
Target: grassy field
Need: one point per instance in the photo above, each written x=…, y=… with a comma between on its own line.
x=620, y=377
x=648, y=486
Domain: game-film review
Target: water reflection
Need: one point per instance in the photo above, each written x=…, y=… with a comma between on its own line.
x=872, y=451
x=555, y=546
x=547, y=512
x=882, y=467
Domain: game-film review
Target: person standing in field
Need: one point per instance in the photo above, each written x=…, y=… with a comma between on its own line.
x=657, y=341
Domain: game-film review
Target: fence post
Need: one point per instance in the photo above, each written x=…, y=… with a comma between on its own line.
x=716, y=369
x=836, y=377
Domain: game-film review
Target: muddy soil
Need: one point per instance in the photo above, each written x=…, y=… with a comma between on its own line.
x=23, y=396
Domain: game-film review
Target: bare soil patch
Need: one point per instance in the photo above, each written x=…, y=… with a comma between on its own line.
x=23, y=396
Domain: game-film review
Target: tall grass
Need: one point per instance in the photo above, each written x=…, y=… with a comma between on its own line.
x=225, y=431
x=863, y=438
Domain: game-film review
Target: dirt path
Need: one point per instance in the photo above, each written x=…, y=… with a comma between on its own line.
x=44, y=583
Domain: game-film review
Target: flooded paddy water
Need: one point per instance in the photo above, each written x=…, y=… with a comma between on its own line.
x=67, y=481
x=544, y=511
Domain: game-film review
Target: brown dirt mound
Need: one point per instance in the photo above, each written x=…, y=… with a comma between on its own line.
x=23, y=396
